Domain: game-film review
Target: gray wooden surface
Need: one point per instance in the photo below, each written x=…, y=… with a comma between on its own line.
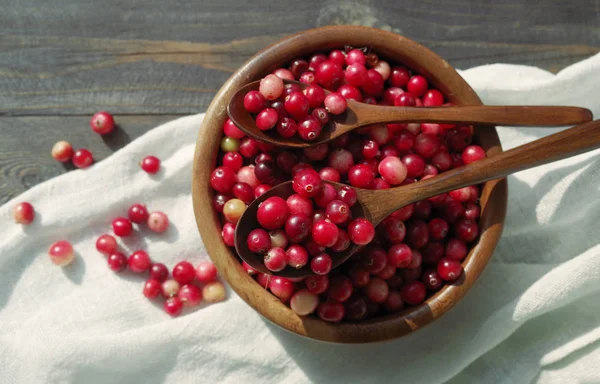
x=149, y=61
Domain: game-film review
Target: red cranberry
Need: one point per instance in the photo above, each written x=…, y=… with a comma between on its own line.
x=150, y=164
x=122, y=227
x=453, y=211
x=315, y=96
x=233, y=160
x=139, y=261
x=404, y=213
x=349, y=92
x=325, y=195
x=261, y=189
x=337, y=211
x=356, y=56
x=448, y=269
x=249, y=148
x=319, y=215
x=184, y=272
x=231, y=130
x=423, y=210
x=321, y=115
x=356, y=74
x=404, y=141
x=317, y=152
x=23, y=213
x=62, y=151
x=462, y=195
x=117, y=261
x=338, y=57
x=258, y=241
x=267, y=119
x=466, y=230
x=159, y=272
x=317, y=284
x=138, y=213
x=190, y=295
x=355, y=308
x=299, y=205
x=379, y=183
x=297, y=105
x=243, y=192
x=374, y=84
x=329, y=74
x=228, y=234
x=282, y=288
x=222, y=179
x=472, y=211
x=272, y=213
x=61, y=253
x=347, y=195
x=456, y=249
x=152, y=288
x=316, y=60
x=426, y=145
x=472, y=153
x=331, y=311
x=335, y=103
x=377, y=290
x=405, y=99
x=308, y=77
x=297, y=228
x=106, y=244
x=173, y=306
x=394, y=302
x=393, y=229
x=297, y=256
x=361, y=176
x=399, y=255
x=438, y=228
x=321, y=264
x=329, y=174
x=307, y=183
x=415, y=165
x=289, y=89
x=432, y=280
x=433, y=98
x=82, y=158
x=370, y=149
x=417, y=234
x=433, y=252
x=276, y=259
x=254, y=102
x=417, y=85
x=341, y=160
x=399, y=76
x=374, y=259
x=298, y=67
x=102, y=123
x=325, y=233
x=413, y=292
x=309, y=129
x=360, y=276
x=361, y=231
x=392, y=170
x=340, y=288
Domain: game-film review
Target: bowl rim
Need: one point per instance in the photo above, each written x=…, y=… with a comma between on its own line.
x=494, y=195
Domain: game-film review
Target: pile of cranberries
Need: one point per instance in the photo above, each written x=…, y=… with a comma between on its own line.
x=291, y=110
x=413, y=252
x=188, y=286
x=315, y=220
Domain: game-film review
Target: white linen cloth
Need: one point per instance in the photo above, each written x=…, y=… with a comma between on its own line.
x=533, y=316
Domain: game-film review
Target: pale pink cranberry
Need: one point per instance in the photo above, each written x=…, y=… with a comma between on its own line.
x=159, y=221
x=297, y=256
x=184, y=272
x=173, y=306
x=150, y=164
x=383, y=68
x=61, y=253
x=472, y=153
x=413, y=292
x=254, y=102
x=23, y=213
x=190, y=295
x=361, y=231
x=231, y=130
x=331, y=311
x=82, y=158
x=117, y=261
x=278, y=238
x=400, y=256
x=394, y=302
x=321, y=264
x=152, y=288
x=170, y=288
x=139, y=261
x=448, y=269
x=341, y=160
x=304, y=302
x=271, y=87
x=138, y=213
x=159, y=271
x=335, y=103
x=102, y=123
x=392, y=170
x=246, y=175
x=282, y=288
x=206, y=272
x=417, y=85
x=284, y=74
x=122, y=227
x=62, y=151
x=214, y=292
x=106, y=244
x=276, y=259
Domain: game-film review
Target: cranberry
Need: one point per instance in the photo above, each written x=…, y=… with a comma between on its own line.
x=61, y=253
x=307, y=183
x=184, y=272
x=263, y=279
x=298, y=228
x=438, y=228
x=151, y=164
x=276, y=259
x=356, y=74
x=404, y=141
x=321, y=115
x=258, y=241
x=462, y=195
x=298, y=67
x=284, y=74
x=117, y=261
x=173, y=306
x=405, y=212
x=233, y=160
x=271, y=87
x=405, y=99
x=62, y=151
x=122, y=227
x=321, y=264
x=472, y=153
x=391, y=94
x=361, y=231
x=82, y=158
x=190, y=295
x=286, y=160
x=152, y=288
x=399, y=76
x=453, y=211
x=272, y=213
x=222, y=179
x=341, y=160
x=379, y=133
x=360, y=276
x=102, y=123
x=417, y=234
x=249, y=147
x=442, y=160
x=355, y=308
x=356, y=56
x=338, y=57
x=329, y=174
x=139, y=261
x=254, y=102
x=159, y=272
x=138, y=213
x=472, y=211
x=370, y=149
x=331, y=311
x=315, y=60
x=432, y=279
x=361, y=176
x=433, y=98
x=340, y=288
x=317, y=152
x=278, y=238
x=309, y=129
x=159, y=222
x=415, y=165
x=249, y=270
x=342, y=243
x=399, y=255
x=374, y=259
x=315, y=96
x=317, y=284
x=350, y=93
x=433, y=252
x=337, y=211
x=329, y=74
x=395, y=282
x=23, y=213
x=266, y=119
x=417, y=85
x=106, y=244
x=231, y=130
x=383, y=68
x=374, y=84
x=308, y=77
x=213, y=292
x=377, y=290
x=244, y=192
x=335, y=103
x=304, y=302
x=347, y=195
x=261, y=189
x=325, y=233
x=288, y=89
x=413, y=292
x=393, y=170
x=297, y=256
x=282, y=288
x=466, y=230
x=426, y=145
x=393, y=229
x=448, y=269
x=325, y=195
x=298, y=204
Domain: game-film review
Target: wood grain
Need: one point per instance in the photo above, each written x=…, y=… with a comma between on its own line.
x=493, y=199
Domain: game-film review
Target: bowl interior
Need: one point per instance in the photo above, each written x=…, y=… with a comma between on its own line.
x=396, y=49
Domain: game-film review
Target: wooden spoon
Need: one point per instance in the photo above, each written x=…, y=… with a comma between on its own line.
x=376, y=205
x=360, y=114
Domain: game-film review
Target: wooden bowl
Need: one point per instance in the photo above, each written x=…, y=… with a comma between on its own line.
x=397, y=49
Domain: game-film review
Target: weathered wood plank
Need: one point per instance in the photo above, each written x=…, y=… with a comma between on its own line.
x=26, y=142
x=164, y=57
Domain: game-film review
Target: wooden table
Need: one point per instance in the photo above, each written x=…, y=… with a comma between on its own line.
x=149, y=61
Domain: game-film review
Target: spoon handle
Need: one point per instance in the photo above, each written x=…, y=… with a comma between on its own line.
x=491, y=115
x=570, y=142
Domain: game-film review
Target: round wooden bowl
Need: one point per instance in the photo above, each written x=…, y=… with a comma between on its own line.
x=397, y=49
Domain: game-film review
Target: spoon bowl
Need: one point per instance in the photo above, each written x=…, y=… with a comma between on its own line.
x=359, y=115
